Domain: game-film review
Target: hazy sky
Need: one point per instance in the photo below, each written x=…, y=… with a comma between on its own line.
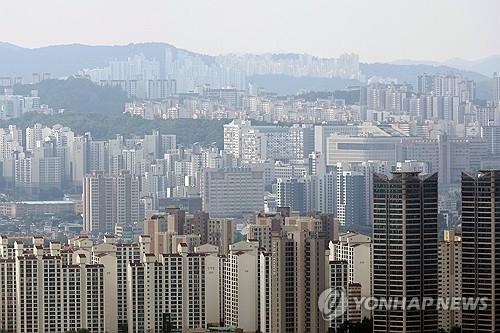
x=378, y=30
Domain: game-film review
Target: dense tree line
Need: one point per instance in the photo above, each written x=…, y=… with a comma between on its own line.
x=105, y=126
x=350, y=96
x=77, y=95
x=365, y=326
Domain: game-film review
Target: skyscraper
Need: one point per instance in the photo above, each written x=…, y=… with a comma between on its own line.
x=337, y=278
x=294, y=273
x=405, y=251
x=108, y=201
x=480, y=244
x=450, y=279
x=292, y=193
x=97, y=203
x=241, y=286
x=172, y=287
x=52, y=296
x=496, y=92
x=126, y=190
x=351, y=198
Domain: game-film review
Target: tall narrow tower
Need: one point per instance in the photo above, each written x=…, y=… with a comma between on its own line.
x=496, y=78
x=405, y=251
x=481, y=250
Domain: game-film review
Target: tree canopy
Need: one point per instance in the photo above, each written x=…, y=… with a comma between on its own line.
x=106, y=126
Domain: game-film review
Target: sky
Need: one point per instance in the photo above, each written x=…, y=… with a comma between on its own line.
x=377, y=30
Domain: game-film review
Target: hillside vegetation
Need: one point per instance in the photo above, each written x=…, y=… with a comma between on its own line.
x=77, y=95
x=105, y=126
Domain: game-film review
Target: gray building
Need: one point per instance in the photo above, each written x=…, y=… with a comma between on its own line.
x=232, y=192
x=496, y=92
x=351, y=198
x=292, y=193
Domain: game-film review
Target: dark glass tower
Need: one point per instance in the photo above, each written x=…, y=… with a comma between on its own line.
x=405, y=251
x=481, y=250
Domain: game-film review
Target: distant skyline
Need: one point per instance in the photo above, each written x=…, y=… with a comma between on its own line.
x=384, y=30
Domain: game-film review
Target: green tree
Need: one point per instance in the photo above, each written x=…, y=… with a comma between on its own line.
x=105, y=126
x=365, y=326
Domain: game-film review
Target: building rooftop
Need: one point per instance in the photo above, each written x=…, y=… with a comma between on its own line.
x=61, y=202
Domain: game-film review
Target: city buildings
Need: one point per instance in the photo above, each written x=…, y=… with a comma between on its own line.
x=186, y=290
x=143, y=77
x=289, y=170
x=51, y=294
x=272, y=281
x=13, y=106
x=268, y=142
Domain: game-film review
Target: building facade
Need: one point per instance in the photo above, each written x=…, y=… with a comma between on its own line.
x=405, y=251
x=480, y=239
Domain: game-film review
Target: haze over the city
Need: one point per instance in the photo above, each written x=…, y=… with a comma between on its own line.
x=232, y=166
x=383, y=30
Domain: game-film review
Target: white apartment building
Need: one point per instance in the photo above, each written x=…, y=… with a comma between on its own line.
x=496, y=96
x=61, y=288
x=167, y=292
x=254, y=143
x=356, y=250
x=233, y=136
x=8, y=294
x=214, y=285
x=125, y=253
x=52, y=297
x=241, y=289
x=33, y=134
x=36, y=173
x=115, y=257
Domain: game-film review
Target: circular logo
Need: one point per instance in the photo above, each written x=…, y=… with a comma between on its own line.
x=332, y=303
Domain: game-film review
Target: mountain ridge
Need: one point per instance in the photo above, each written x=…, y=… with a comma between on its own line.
x=67, y=59
x=485, y=66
